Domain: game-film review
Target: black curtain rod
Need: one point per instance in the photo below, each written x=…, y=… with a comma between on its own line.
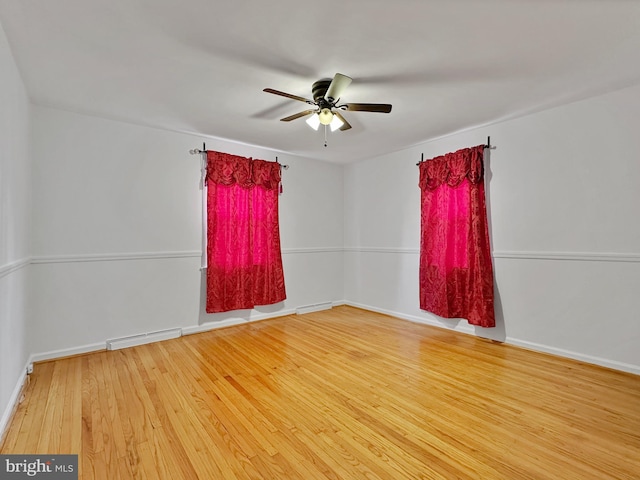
x=488, y=145
x=197, y=151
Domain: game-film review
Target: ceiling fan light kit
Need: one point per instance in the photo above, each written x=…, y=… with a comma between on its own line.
x=325, y=115
x=326, y=94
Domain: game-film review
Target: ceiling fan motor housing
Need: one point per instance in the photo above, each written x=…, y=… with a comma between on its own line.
x=319, y=89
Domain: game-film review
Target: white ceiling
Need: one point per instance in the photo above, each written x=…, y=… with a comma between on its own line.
x=200, y=65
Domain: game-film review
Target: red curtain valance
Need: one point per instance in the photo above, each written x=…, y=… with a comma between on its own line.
x=227, y=169
x=453, y=168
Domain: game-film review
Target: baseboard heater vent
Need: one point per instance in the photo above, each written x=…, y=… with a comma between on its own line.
x=316, y=307
x=133, y=340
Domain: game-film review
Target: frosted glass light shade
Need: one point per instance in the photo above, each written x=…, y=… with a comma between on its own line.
x=313, y=121
x=336, y=123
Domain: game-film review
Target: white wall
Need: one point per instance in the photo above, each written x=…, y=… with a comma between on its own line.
x=563, y=195
x=14, y=229
x=117, y=231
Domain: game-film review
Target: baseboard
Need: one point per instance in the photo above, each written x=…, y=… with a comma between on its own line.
x=155, y=336
x=467, y=329
x=559, y=352
x=231, y=322
x=143, y=339
x=316, y=307
x=537, y=347
x=66, y=352
x=12, y=406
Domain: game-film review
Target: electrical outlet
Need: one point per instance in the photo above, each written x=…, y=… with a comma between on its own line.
x=30, y=369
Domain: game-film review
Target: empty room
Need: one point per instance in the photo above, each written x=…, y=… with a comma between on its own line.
x=337, y=240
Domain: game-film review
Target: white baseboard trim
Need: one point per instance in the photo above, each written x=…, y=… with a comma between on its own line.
x=14, y=399
x=464, y=328
x=157, y=336
x=603, y=362
x=231, y=322
x=67, y=352
x=316, y=307
x=143, y=339
x=469, y=330
x=461, y=328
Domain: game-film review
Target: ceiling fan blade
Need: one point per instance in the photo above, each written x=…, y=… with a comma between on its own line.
x=367, y=107
x=288, y=95
x=298, y=115
x=337, y=87
x=345, y=124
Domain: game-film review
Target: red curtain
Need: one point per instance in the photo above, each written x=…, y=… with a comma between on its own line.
x=456, y=273
x=244, y=261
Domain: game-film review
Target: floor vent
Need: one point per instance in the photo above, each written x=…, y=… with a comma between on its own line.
x=316, y=307
x=132, y=341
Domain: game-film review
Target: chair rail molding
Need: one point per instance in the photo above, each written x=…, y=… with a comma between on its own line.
x=521, y=255
x=14, y=266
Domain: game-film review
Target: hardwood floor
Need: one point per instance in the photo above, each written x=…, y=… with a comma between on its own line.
x=340, y=394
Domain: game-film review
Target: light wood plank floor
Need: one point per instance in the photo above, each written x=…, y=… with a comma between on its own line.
x=340, y=394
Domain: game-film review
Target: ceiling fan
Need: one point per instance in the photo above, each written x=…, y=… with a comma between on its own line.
x=326, y=111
